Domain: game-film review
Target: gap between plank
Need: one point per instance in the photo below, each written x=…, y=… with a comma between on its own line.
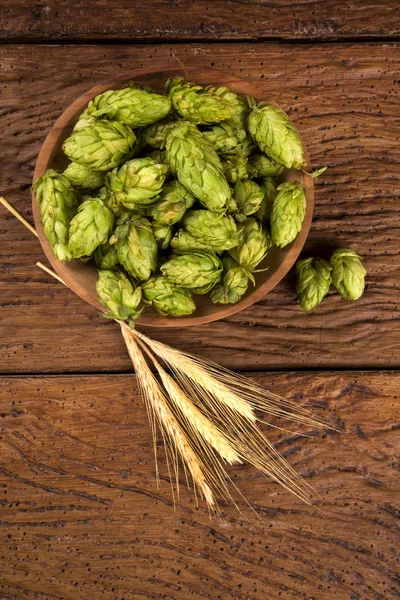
x=121, y=373
x=76, y=41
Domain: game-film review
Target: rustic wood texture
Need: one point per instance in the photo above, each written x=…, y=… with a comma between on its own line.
x=81, y=516
x=343, y=98
x=131, y=20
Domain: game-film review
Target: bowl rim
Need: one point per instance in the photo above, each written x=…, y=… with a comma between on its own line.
x=71, y=274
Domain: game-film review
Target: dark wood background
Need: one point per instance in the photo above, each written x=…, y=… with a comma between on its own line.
x=80, y=514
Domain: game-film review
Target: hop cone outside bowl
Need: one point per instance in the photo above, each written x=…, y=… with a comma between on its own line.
x=348, y=273
x=313, y=281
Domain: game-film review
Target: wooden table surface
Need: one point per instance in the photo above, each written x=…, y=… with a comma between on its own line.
x=80, y=514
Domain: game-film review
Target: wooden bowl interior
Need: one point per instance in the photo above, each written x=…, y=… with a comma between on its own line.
x=81, y=277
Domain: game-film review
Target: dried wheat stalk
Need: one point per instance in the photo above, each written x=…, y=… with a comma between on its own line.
x=156, y=401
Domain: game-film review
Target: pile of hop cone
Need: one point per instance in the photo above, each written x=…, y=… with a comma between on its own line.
x=173, y=195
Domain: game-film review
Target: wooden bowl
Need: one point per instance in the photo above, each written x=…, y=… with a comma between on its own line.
x=81, y=277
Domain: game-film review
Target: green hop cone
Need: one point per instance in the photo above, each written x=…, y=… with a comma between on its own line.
x=155, y=135
x=227, y=140
x=194, y=103
x=196, y=165
x=58, y=205
x=275, y=135
x=90, y=227
x=160, y=157
x=116, y=208
x=132, y=105
x=253, y=246
x=162, y=234
x=184, y=242
x=137, y=183
x=348, y=273
x=110, y=201
x=224, y=138
x=176, y=192
x=212, y=229
x=232, y=207
x=313, y=280
x=230, y=136
x=239, y=118
x=136, y=246
x=288, y=212
x=172, y=205
x=168, y=299
x=100, y=146
x=106, y=256
x=82, y=177
x=233, y=286
x=263, y=166
x=119, y=296
x=269, y=190
x=166, y=212
x=196, y=271
x=84, y=120
x=237, y=168
x=248, y=196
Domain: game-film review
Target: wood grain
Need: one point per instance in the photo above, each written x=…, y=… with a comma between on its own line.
x=81, y=516
x=343, y=98
x=205, y=20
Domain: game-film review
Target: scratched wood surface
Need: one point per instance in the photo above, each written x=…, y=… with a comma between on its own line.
x=205, y=20
x=344, y=99
x=81, y=516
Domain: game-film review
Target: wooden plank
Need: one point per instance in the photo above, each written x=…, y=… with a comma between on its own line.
x=197, y=20
x=344, y=100
x=81, y=516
